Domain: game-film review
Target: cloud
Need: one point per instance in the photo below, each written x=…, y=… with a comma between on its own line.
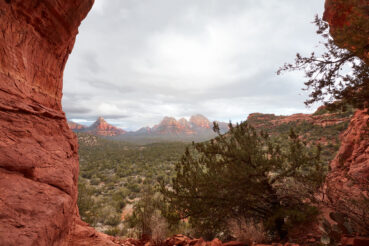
x=76, y=110
x=137, y=61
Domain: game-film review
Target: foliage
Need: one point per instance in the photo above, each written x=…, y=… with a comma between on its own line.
x=159, y=228
x=86, y=204
x=247, y=232
x=339, y=75
x=114, y=174
x=310, y=132
x=244, y=174
x=148, y=206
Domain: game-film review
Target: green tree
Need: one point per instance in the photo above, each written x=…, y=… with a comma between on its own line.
x=86, y=204
x=245, y=175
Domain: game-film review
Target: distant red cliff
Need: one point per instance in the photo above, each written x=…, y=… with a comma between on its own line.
x=102, y=128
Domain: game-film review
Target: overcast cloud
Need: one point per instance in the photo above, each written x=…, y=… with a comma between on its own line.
x=137, y=61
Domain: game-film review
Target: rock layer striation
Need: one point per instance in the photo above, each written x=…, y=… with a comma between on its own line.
x=348, y=181
x=38, y=151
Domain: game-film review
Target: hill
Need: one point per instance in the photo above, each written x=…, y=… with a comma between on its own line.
x=323, y=127
x=197, y=128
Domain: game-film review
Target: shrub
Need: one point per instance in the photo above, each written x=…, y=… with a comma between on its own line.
x=248, y=232
x=159, y=228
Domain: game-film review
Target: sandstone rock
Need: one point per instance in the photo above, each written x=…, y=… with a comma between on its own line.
x=349, y=174
x=267, y=121
x=200, y=121
x=349, y=177
x=38, y=152
x=170, y=126
x=178, y=239
x=352, y=14
x=83, y=235
x=102, y=128
x=200, y=242
x=234, y=243
x=215, y=242
x=75, y=126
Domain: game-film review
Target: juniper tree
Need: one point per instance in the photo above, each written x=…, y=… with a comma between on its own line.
x=244, y=174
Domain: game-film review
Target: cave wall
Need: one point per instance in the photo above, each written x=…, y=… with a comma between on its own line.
x=38, y=152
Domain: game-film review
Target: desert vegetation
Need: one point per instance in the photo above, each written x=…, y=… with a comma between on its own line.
x=126, y=188
x=245, y=175
x=114, y=176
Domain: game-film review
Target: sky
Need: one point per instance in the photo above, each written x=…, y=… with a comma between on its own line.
x=135, y=62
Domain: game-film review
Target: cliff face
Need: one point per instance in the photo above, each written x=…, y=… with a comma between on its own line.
x=271, y=121
x=322, y=127
x=349, y=176
x=200, y=121
x=349, y=24
x=197, y=125
x=38, y=152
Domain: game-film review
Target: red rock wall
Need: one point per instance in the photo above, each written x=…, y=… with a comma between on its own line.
x=349, y=176
x=38, y=152
x=348, y=181
x=354, y=15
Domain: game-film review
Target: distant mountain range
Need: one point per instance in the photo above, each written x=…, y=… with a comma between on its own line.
x=197, y=128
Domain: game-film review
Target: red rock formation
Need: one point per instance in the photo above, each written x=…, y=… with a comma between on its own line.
x=103, y=128
x=184, y=123
x=187, y=241
x=170, y=126
x=351, y=18
x=267, y=121
x=200, y=121
x=75, y=126
x=349, y=176
x=38, y=152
